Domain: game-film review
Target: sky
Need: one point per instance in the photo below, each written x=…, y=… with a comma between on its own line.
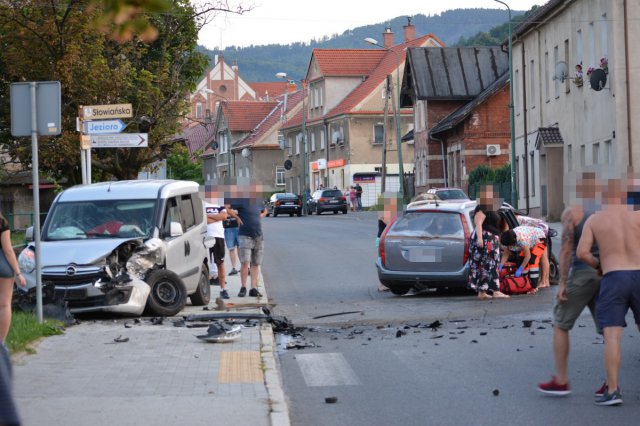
x=288, y=21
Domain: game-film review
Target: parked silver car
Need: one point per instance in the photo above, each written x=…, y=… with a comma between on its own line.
x=123, y=246
x=426, y=247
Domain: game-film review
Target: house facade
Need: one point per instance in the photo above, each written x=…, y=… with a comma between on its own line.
x=575, y=97
x=344, y=119
x=460, y=101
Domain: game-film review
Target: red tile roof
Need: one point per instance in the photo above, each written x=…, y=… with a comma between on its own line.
x=347, y=62
x=272, y=88
x=197, y=136
x=271, y=120
x=244, y=116
x=387, y=65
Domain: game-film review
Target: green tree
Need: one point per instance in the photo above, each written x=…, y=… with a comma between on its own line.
x=155, y=77
x=182, y=165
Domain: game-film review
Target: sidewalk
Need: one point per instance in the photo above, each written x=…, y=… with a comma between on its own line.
x=163, y=375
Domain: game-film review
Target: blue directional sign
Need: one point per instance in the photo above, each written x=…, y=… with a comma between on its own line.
x=103, y=127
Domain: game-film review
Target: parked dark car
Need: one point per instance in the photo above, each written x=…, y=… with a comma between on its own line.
x=428, y=247
x=327, y=200
x=284, y=203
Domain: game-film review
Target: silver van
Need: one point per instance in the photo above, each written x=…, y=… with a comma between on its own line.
x=125, y=246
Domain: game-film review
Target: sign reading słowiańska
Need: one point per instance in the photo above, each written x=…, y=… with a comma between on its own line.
x=103, y=112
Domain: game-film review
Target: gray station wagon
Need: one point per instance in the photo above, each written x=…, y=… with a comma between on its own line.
x=426, y=247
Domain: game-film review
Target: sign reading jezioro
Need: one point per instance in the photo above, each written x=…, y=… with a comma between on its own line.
x=99, y=112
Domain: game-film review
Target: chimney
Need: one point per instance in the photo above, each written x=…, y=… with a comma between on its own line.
x=291, y=86
x=409, y=30
x=387, y=37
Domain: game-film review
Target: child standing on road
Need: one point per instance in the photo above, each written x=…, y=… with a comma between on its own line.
x=352, y=198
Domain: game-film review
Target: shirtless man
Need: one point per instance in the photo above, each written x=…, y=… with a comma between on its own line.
x=578, y=284
x=616, y=231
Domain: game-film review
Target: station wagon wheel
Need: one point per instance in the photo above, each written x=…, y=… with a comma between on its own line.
x=202, y=295
x=168, y=294
x=398, y=290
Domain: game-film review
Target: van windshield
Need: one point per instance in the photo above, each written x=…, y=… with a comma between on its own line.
x=100, y=219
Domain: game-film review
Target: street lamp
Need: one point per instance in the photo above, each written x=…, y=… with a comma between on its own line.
x=304, y=143
x=374, y=42
x=514, y=194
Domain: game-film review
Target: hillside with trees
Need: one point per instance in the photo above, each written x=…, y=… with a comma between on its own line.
x=458, y=26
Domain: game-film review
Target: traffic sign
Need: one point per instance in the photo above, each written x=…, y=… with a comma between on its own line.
x=103, y=127
x=98, y=112
x=122, y=140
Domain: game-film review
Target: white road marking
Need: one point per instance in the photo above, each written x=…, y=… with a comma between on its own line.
x=328, y=369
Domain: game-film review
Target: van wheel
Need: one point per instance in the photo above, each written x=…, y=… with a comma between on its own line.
x=168, y=294
x=202, y=296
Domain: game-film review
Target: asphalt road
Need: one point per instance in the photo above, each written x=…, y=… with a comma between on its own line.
x=387, y=366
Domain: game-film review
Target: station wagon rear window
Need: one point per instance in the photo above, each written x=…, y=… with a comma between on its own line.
x=428, y=224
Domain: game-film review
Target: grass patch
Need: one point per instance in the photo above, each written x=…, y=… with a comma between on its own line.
x=17, y=238
x=26, y=329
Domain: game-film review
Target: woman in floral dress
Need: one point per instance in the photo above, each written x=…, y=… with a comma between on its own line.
x=484, y=247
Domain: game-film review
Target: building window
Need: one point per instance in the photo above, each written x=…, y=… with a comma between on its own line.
x=378, y=133
x=592, y=46
x=578, y=48
x=608, y=155
x=532, y=80
x=298, y=139
x=516, y=91
x=595, y=153
x=567, y=85
x=556, y=82
x=547, y=77
x=199, y=110
x=280, y=176
x=583, y=155
x=313, y=141
x=290, y=146
x=604, y=36
x=321, y=138
x=533, y=173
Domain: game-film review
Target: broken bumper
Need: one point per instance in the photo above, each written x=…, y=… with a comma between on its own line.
x=129, y=298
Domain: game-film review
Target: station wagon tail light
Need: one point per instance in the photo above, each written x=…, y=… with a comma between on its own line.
x=322, y=199
x=344, y=198
x=277, y=203
x=467, y=239
x=381, y=252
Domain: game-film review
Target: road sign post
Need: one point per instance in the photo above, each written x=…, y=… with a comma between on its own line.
x=35, y=110
x=95, y=120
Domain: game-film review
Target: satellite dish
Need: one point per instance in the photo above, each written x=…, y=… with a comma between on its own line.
x=246, y=153
x=598, y=79
x=214, y=146
x=561, y=72
x=288, y=164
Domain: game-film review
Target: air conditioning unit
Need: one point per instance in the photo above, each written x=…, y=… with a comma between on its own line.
x=493, y=150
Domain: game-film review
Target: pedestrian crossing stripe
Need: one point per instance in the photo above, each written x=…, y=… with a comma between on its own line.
x=326, y=369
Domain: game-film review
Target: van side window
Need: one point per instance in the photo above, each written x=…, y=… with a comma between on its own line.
x=198, y=208
x=172, y=214
x=186, y=211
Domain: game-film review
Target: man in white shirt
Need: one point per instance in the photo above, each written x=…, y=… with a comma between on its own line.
x=216, y=215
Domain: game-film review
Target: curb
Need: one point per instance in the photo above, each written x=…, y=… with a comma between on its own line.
x=279, y=411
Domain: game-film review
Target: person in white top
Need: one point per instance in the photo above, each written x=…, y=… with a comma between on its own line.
x=216, y=215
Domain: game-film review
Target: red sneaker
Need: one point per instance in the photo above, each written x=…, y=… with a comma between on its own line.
x=554, y=388
x=602, y=389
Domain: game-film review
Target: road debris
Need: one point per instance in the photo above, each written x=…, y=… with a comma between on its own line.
x=338, y=313
x=121, y=339
x=331, y=399
x=496, y=392
x=220, y=333
x=526, y=323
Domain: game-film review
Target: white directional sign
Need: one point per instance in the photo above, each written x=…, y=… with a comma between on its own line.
x=103, y=127
x=99, y=112
x=122, y=140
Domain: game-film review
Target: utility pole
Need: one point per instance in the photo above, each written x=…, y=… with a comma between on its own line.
x=383, y=186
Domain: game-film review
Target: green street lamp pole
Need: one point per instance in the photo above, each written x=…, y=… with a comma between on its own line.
x=373, y=41
x=304, y=151
x=514, y=192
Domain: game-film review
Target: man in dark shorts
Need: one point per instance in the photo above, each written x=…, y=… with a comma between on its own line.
x=216, y=214
x=578, y=284
x=358, y=189
x=248, y=207
x=616, y=231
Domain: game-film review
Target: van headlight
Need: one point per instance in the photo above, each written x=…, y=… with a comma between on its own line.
x=27, y=260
